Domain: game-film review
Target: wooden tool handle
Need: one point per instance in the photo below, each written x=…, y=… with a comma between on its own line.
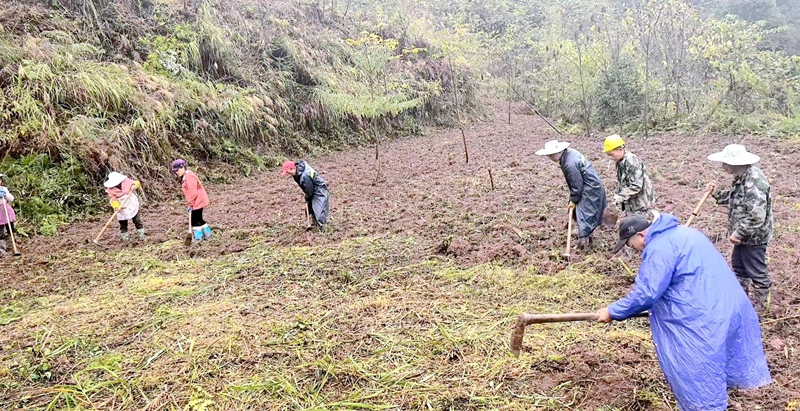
x=528, y=319
x=699, y=205
x=10, y=230
x=100, y=234
x=569, y=231
x=556, y=318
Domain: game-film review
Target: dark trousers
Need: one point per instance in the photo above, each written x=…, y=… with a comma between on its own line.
x=137, y=222
x=197, y=218
x=6, y=230
x=750, y=264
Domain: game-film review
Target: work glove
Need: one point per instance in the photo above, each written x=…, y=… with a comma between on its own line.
x=115, y=205
x=617, y=200
x=190, y=209
x=136, y=185
x=571, y=205
x=2, y=193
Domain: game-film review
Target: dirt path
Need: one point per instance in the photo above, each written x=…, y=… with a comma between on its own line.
x=428, y=193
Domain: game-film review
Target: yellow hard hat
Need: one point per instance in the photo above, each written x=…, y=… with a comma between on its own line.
x=613, y=142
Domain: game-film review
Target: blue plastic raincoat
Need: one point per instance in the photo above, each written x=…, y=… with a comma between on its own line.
x=705, y=329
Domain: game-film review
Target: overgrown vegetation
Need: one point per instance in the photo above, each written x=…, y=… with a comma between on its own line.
x=49, y=192
x=638, y=66
x=127, y=86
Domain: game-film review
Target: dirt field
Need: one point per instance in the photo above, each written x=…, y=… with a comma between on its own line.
x=405, y=302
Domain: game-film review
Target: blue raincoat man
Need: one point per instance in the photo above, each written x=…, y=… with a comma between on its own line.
x=705, y=330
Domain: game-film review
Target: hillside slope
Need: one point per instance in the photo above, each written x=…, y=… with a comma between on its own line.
x=91, y=86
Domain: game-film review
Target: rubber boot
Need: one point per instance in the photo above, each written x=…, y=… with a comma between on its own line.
x=745, y=283
x=583, y=243
x=141, y=233
x=123, y=236
x=198, y=233
x=761, y=297
x=206, y=232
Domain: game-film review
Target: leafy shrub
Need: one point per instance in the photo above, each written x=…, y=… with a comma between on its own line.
x=619, y=99
x=49, y=193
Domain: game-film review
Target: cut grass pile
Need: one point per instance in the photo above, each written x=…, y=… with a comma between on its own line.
x=366, y=323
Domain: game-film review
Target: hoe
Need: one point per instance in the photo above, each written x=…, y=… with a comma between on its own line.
x=526, y=319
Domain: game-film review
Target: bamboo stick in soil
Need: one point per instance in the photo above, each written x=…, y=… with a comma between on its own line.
x=378, y=167
x=464, y=139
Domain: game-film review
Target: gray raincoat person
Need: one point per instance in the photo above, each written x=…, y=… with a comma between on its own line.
x=314, y=188
x=587, y=193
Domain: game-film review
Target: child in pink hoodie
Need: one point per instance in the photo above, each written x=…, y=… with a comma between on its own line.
x=196, y=197
x=124, y=201
x=6, y=220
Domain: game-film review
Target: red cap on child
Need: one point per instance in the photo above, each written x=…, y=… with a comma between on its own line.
x=287, y=167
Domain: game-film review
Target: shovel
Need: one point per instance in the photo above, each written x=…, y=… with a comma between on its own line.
x=610, y=217
x=308, y=218
x=187, y=239
x=526, y=319
x=10, y=231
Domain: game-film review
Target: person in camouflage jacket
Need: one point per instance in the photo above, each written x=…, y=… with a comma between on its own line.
x=634, y=193
x=750, y=223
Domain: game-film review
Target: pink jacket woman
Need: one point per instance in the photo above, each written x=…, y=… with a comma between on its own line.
x=6, y=202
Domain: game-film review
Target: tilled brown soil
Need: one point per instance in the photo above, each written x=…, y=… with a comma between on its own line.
x=428, y=192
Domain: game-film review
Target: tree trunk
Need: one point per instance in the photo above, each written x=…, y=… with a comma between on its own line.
x=378, y=166
x=646, y=90
x=584, y=103
x=377, y=152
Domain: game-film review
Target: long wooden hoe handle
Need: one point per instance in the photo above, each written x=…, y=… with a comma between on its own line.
x=699, y=205
x=569, y=232
x=100, y=234
x=8, y=221
x=525, y=319
x=308, y=218
x=528, y=319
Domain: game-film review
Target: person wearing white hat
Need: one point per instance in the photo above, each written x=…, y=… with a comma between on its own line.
x=121, y=194
x=587, y=193
x=750, y=224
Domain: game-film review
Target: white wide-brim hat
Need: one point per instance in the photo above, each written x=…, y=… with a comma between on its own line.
x=552, y=147
x=114, y=179
x=735, y=155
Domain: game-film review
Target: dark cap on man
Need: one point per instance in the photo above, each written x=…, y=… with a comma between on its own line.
x=628, y=228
